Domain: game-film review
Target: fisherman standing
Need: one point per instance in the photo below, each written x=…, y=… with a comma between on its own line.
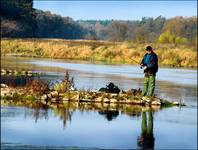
x=150, y=65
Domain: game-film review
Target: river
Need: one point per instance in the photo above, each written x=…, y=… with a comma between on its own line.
x=172, y=128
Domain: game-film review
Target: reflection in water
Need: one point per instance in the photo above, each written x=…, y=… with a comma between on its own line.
x=40, y=113
x=109, y=115
x=64, y=114
x=146, y=140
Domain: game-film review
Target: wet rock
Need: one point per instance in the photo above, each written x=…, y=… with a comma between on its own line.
x=98, y=99
x=106, y=100
x=49, y=95
x=3, y=71
x=43, y=102
x=23, y=72
x=113, y=100
x=65, y=99
x=155, y=103
x=86, y=100
x=4, y=85
x=175, y=103
x=110, y=88
x=44, y=97
x=53, y=100
x=15, y=72
x=10, y=71
x=54, y=94
x=29, y=72
x=132, y=92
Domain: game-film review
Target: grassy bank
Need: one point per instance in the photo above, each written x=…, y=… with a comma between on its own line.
x=110, y=52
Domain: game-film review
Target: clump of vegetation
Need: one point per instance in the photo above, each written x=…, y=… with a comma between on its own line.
x=65, y=85
x=38, y=86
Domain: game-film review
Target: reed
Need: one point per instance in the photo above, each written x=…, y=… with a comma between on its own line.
x=110, y=52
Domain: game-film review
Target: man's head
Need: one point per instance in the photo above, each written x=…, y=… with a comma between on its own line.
x=149, y=49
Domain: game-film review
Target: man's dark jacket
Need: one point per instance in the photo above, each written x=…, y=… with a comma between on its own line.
x=151, y=61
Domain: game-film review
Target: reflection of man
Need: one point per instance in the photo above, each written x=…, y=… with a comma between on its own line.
x=146, y=141
x=109, y=114
x=150, y=65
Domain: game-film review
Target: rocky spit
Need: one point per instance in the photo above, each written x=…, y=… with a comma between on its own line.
x=10, y=94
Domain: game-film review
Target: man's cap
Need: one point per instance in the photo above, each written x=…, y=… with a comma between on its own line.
x=149, y=48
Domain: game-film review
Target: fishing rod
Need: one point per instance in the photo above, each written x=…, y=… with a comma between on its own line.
x=136, y=62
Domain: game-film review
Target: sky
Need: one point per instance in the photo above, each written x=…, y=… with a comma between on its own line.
x=118, y=10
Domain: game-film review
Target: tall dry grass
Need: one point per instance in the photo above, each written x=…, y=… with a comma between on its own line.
x=110, y=52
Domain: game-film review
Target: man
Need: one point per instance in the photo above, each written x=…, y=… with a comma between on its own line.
x=150, y=65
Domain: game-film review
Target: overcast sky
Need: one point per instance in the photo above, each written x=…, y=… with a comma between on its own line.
x=120, y=10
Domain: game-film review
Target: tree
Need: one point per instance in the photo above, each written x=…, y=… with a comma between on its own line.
x=117, y=31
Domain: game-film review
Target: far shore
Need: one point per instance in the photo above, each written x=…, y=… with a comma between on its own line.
x=98, y=51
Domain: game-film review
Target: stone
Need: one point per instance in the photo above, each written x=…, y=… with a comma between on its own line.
x=113, y=100
x=43, y=102
x=175, y=103
x=54, y=94
x=106, y=100
x=44, y=97
x=29, y=72
x=23, y=72
x=3, y=71
x=65, y=99
x=49, y=95
x=4, y=86
x=29, y=75
x=86, y=100
x=155, y=103
x=98, y=99
x=10, y=71
x=53, y=100
x=128, y=101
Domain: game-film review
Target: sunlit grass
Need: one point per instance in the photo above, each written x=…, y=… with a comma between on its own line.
x=110, y=52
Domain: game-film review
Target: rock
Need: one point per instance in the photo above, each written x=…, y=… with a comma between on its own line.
x=29, y=75
x=44, y=97
x=65, y=99
x=128, y=101
x=43, y=102
x=113, y=100
x=10, y=71
x=155, y=103
x=3, y=71
x=53, y=100
x=110, y=88
x=86, y=100
x=106, y=100
x=175, y=103
x=29, y=72
x=98, y=99
x=23, y=72
x=4, y=85
x=49, y=95
x=54, y=94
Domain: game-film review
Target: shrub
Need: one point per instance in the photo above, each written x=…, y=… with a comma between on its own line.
x=38, y=86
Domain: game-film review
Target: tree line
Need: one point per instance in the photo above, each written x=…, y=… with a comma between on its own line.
x=20, y=19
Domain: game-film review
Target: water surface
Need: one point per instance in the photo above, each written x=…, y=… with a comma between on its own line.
x=172, y=127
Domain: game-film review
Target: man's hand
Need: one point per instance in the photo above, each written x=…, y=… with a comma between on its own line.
x=145, y=67
x=141, y=66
